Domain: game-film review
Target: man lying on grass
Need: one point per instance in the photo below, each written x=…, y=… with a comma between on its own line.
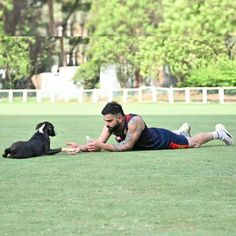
x=132, y=133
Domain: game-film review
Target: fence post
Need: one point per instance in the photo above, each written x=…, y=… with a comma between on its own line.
x=171, y=95
x=140, y=93
x=110, y=95
x=187, y=95
x=24, y=98
x=39, y=96
x=10, y=95
x=154, y=94
x=204, y=95
x=80, y=95
x=94, y=96
x=66, y=98
x=125, y=95
x=52, y=97
x=221, y=95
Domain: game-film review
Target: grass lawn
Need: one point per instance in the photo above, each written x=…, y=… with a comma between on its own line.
x=169, y=192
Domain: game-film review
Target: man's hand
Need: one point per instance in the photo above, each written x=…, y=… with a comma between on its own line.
x=93, y=146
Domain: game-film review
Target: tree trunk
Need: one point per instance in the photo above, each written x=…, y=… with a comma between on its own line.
x=138, y=78
x=62, y=50
x=12, y=18
x=51, y=18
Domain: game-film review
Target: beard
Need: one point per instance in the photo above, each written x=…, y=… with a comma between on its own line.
x=113, y=129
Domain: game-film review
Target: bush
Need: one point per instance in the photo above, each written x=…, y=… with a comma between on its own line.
x=217, y=74
x=87, y=75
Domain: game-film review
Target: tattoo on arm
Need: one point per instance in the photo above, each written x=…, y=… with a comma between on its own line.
x=135, y=128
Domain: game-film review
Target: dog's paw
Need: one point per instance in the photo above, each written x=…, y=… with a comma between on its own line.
x=71, y=150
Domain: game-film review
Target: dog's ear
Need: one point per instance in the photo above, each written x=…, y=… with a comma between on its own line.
x=40, y=129
x=39, y=125
x=46, y=128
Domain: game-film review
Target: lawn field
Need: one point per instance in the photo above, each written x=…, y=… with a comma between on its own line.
x=169, y=192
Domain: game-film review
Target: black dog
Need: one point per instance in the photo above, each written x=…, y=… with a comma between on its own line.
x=38, y=145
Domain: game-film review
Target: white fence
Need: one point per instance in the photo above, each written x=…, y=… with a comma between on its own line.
x=143, y=94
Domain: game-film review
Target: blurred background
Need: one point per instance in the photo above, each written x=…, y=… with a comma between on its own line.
x=117, y=43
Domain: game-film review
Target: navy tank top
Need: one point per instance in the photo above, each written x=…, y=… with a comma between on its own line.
x=150, y=139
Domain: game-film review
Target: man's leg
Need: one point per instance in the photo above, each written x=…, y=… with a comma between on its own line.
x=220, y=133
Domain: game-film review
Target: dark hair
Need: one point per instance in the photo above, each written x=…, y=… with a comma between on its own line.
x=112, y=108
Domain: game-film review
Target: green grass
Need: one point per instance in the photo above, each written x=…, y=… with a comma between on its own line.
x=31, y=108
x=169, y=192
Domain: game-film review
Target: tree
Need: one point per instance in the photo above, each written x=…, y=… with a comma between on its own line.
x=183, y=54
x=202, y=17
x=4, y=5
x=14, y=58
x=102, y=53
x=38, y=17
x=40, y=49
x=220, y=72
x=132, y=17
x=184, y=34
x=23, y=17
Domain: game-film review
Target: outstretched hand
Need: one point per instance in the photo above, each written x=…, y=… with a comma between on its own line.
x=90, y=146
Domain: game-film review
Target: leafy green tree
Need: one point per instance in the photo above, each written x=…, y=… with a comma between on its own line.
x=194, y=33
x=110, y=50
x=23, y=17
x=37, y=17
x=221, y=72
x=138, y=36
x=120, y=17
x=4, y=6
x=43, y=54
x=184, y=34
x=183, y=54
x=202, y=17
x=14, y=58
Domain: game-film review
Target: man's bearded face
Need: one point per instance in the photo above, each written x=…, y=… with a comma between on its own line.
x=112, y=122
x=114, y=128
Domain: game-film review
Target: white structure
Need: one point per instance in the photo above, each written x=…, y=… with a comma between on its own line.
x=59, y=83
x=108, y=78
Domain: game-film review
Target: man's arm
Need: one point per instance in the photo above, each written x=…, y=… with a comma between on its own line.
x=135, y=128
x=74, y=148
x=104, y=136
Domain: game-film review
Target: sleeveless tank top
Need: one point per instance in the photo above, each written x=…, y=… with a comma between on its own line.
x=149, y=138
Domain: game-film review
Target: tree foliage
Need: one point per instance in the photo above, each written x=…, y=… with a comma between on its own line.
x=110, y=50
x=22, y=17
x=221, y=72
x=133, y=18
x=140, y=37
x=184, y=34
x=37, y=17
x=15, y=59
